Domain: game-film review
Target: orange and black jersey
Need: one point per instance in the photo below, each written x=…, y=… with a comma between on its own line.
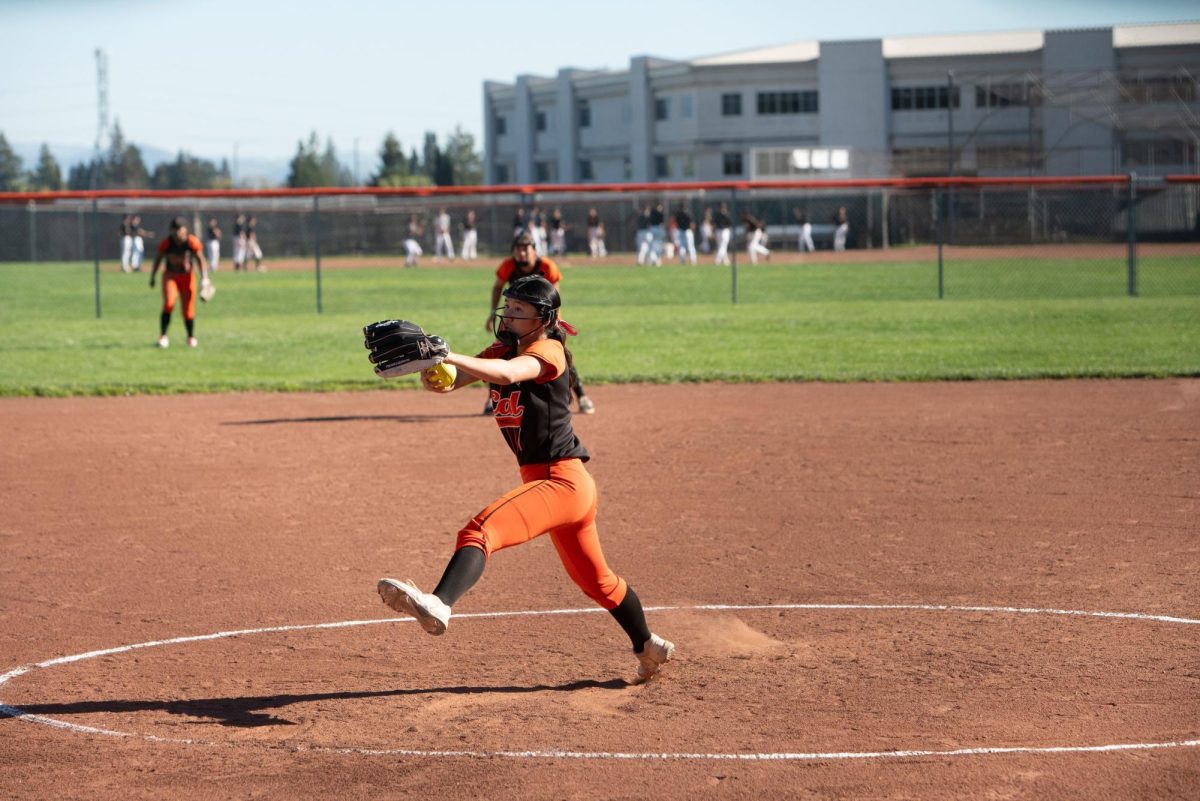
x=535, y=415
x=507, y=271
x=177, y=253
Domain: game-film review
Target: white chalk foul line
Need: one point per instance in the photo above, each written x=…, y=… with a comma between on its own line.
x=20, y=714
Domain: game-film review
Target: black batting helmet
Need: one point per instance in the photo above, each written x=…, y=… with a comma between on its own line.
x=539, y=293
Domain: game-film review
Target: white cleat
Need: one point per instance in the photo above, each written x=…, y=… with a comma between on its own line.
x=427, y=608
x=192, y=342
x=655, y=653
x=163, y=342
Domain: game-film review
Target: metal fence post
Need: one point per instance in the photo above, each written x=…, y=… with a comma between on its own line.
x=33, y=231
x=733, y=216
x=317, y=245
x=1131, y=224
x=939, y=211
x=96, y=252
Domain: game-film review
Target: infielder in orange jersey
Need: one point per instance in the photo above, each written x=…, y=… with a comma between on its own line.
x=526, y=261
x=526, y=370
x=180, y=250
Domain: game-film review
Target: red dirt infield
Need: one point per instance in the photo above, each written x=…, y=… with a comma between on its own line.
x=131, y=520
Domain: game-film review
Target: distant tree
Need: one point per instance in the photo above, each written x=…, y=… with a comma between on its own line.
x=12, y=173
x=188, y=172
x=414, y=162
x=47, y=176
x=305, y=167
x=392, y=163
x=126, y=170
x=430, y=154
x=332, y=170
x=466, y=163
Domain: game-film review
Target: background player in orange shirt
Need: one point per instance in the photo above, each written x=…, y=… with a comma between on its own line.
x=525, y=261
x=180, y=250
x=527, y=373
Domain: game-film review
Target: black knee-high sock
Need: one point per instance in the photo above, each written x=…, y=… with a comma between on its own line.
x=631, y=617
x=190, y=325
x=164, y=321
x=463, y=570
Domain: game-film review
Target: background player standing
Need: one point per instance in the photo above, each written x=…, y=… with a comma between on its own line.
x=412, y=244
x=214, y=244
x=443, y=245
x=685, y=235
x=527, y=373
x=139, y=243
x=470, y=237
x=239, y=242
x=126, y=230
x=252, y=248
x=595, y=235
x=525, y=261
x=724, y=226
x=181, y=251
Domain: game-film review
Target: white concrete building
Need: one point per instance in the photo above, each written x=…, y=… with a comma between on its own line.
x=1069, y=102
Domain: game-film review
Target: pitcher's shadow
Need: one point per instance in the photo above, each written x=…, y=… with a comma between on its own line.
x=248, y=711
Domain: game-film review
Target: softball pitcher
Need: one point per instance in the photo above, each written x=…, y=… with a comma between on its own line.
x=527, y=373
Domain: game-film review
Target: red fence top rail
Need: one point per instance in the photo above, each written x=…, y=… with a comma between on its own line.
x=548, y=189
x=1183, y=179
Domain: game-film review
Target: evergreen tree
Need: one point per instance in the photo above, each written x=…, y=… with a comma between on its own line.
x=47, y=176
x=414, y=163
x=465, y=161
x=188, y=172
x=12, y=173
x=126, y=170
x=393, y=166
x=431, y=154
x=305, y=168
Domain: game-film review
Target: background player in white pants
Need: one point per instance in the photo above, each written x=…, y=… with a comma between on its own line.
x=139, y=244
x=841, y=222
x=685, y=236
x=724, y=228
x=443, y=245
x=126, y=230
x=470, y=237
x=595, y=235
x=754, y=237
x=214, y=244
x=412, y=245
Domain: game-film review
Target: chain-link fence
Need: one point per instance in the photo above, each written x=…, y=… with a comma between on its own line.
x=958, y=238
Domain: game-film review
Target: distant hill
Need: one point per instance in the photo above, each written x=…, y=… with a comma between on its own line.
x=251, y=171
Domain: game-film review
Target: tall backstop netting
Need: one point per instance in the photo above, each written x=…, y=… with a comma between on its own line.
x=1115, y=234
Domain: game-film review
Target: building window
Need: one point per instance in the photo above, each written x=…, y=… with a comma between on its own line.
x=500, y=171
x=731, y=163
x=501, y=125
x=787, y=103
x=545, y=172
x=539, y=120
x=731, y=104
x=925, y=98
x=687, y=166
x=662, y=167
x=627, y=168
x=661, y=108
x=1157, y=152
x=1002, y=95
x=585, y=114
x=1158, y=89
x=685, y=106
x=586, y=173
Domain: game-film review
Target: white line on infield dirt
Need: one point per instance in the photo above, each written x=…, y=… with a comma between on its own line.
x=20, y=714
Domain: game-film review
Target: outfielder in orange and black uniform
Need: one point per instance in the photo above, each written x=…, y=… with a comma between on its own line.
x=527, y=373
x=525, y=261
x=179, y=250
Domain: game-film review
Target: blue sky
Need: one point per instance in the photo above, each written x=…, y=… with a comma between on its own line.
x=209, y=76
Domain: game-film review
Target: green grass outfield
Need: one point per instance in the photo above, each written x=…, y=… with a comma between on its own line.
x=840, y=322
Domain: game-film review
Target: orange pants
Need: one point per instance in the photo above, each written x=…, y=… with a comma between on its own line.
x=180, y=285
x=559, y=499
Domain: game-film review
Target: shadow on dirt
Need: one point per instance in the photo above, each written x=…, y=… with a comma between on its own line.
x=251, y=711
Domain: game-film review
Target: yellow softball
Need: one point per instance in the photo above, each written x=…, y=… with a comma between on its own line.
x=440, y=376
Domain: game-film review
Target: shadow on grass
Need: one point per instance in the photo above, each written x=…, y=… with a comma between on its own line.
x=251, y=711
